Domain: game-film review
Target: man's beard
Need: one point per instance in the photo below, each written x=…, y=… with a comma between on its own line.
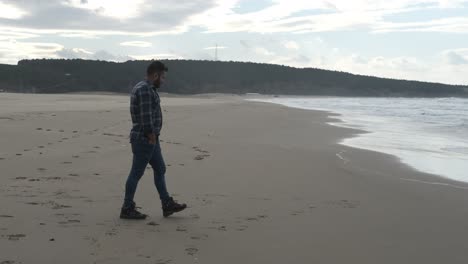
x=157, y=83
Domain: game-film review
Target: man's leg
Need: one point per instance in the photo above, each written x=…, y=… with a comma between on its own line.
x=159, y=170
x=169, y=206
x=142, y=152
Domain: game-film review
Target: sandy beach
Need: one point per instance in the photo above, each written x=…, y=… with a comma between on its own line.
x=264, y=184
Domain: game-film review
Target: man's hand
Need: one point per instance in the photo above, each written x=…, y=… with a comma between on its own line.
x=152, y=138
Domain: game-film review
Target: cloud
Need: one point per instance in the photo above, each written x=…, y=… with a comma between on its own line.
x=456, y=56
x=161, y=56
x=436, y=69
x=299, y=61
x=151, y=18
x=9, y=11
x=140, y=44
x=75, y=53
x=245, y=44
x=320, y=16
x=263, y=51
x=215, y=47
x=82, y=35
x=79, y=53
x=447, y=25
x=106, y=56
x=119, y=9
x=12, y=35
x=16, y=50
x=292, y=45
x=102, y=17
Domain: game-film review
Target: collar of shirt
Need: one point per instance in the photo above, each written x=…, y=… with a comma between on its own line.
x=150, y=85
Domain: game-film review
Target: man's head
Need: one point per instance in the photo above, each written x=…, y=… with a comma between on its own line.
x=156, y=73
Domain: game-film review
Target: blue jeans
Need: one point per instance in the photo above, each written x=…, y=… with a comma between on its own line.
x=144, y=153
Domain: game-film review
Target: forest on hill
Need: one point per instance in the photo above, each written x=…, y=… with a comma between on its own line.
x=195, y=77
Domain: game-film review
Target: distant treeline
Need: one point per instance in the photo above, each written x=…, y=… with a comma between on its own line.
x=194, y=77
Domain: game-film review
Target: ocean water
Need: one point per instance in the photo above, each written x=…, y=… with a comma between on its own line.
x=430, y=135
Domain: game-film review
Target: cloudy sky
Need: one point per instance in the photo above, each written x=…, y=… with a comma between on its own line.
x=406, y=39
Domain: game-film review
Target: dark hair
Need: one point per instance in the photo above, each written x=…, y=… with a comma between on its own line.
x=156, y=66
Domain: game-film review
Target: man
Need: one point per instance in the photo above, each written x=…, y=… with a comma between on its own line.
x=146, y=114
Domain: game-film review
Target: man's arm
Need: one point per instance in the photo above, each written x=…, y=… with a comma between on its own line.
x=146, y=115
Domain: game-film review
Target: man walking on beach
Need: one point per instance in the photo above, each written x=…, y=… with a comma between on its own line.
x=146, y=114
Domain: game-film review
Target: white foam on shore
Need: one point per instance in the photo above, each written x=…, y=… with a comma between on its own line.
x=427, y=134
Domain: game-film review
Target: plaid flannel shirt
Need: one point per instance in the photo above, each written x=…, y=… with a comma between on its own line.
x=146, y=111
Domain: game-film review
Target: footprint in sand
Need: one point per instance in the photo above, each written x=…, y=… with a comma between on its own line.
x=201, y=157
x=199, y=237
x=53, y=178
x=215, y=195
x=112, y=232
x=39, y=128
x=242, y=228
x=15, y=237
x=71, y=221
x=181, y=229
x=8, y=262
x=75, y=156
x=163, y=261
x=346, y=204
x=296, y=213
x=259, y=198
x=73, y=175
x=61, y=130
x=41, y=147
x=20, y=178
x=56, y=206
x=19, y=154
x=195, y=216
x=34, y=180
x=67, y=162
x=198, y=149
x=41, y=169
x=2, y=158
x=6, y=216
x=191, y=251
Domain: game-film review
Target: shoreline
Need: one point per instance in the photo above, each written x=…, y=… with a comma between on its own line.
x=370, y=135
